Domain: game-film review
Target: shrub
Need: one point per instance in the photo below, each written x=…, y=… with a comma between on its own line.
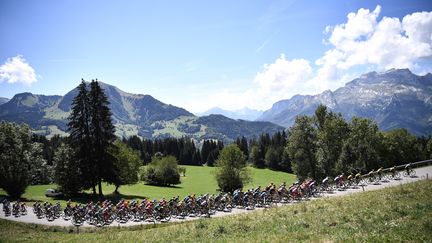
x=162, y=171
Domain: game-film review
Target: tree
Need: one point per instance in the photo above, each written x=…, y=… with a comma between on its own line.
x=365, y=140
x=332, y=131
x=285, y=164
x=102, y=136
x=162, y=171
x=255, y=157
x=67, y=171
x=400, y=147
x=16, y=152
x=429, y=148
x=243, y=145
x=41, y=172
x=80, y=136
x=272, y=158
x=301, y=147
x=126, y=164
x=346, y=161
x=231, y=172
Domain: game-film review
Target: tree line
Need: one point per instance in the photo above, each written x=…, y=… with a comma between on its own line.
x=325, y=144
x=183, y=149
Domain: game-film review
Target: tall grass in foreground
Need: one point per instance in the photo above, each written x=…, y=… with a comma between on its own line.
x=399, y=214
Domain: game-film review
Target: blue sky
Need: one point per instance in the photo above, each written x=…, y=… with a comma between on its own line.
x=200, y=54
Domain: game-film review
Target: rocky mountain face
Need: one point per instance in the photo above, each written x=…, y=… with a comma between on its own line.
x=132, y=114
x=394, y=99
x=243, y=114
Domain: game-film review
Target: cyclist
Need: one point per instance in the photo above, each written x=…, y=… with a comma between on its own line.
x=378, y=172
x=408, y=168
x=357, y=177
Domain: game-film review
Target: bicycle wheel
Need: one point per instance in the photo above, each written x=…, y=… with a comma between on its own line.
x=396, y=176
x=412, y=173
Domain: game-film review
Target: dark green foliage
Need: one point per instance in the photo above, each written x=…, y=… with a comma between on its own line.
x=80, y=136
x=92, y=134
x=162, y=171
x=259, y=155
x=329, y=146
x=183, y=149
x=429, y=149
x=255, y=157
x=365, y=140
x=302, y=147
x=400, y=147
x=332, y=131
x=49, y=146
x=16, y=157
x=67, y=172
x=272, y=158
x=127, y=162
x=102, y=136
x=243, y=145
x=231, y=171
x=41, y=172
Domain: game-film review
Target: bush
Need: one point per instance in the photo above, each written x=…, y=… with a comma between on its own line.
x=162, y=171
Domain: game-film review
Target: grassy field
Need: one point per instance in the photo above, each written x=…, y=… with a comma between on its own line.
x=198, y=180
x=398, y=214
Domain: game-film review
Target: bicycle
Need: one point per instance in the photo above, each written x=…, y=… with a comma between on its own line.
x=409, y=173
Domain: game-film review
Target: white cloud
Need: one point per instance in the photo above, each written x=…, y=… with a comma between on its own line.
x=388, y=43
x=363, y=42
x=17, y=70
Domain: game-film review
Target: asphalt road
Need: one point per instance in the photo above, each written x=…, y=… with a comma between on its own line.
x=421, y=174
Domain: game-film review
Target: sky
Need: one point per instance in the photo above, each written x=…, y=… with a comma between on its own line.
x=203, y=54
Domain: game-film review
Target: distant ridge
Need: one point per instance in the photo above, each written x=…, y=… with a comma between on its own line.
x=133, y=114
x=243, y=114
x=3, y=100
x=396, y=98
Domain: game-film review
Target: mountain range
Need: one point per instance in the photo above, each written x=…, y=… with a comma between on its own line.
x=244, y=114
x=132, y=114
x=396, y=98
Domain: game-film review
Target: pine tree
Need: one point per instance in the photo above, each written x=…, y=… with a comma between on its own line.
x=80, y=137
x=102, y=136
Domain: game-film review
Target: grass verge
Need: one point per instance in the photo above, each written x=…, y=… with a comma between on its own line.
x=398, y=214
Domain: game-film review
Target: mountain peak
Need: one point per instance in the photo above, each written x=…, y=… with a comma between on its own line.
x=396, y=98
x=398, y=71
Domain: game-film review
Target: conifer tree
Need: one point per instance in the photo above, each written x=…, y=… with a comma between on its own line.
x=102, y=136
x=80, y=137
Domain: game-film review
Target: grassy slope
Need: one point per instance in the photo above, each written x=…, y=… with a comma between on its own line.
x=398, y=214
x=198, y=180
